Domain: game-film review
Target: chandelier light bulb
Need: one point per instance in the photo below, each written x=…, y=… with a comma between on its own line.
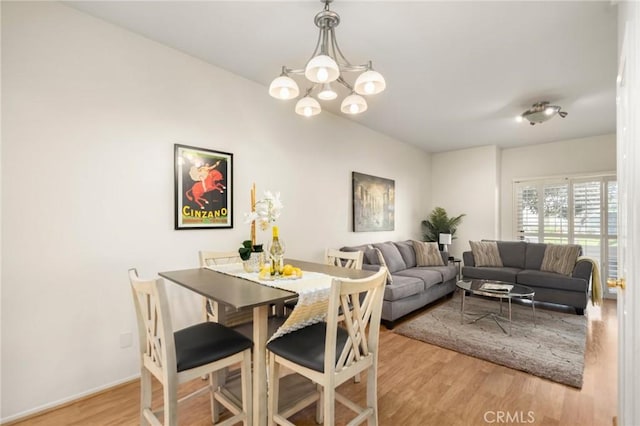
x=327, y=93
x=369, y=83
x=322, y=69
x=549, y=111
x=284, y=87
x=353, y=104
x=519, y=119
x=308, y=107
x=369, y=87
x=322, y=74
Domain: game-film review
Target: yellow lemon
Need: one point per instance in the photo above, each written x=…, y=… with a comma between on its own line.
x=287, y=270
x=265, y=272
x=297, y=272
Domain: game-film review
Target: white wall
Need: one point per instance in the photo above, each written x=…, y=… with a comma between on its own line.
x=583, y=156
x=91, y=113
x=466, y=181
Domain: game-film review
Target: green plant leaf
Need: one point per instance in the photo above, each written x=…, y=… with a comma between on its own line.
x=245, y=253
x=438, y=223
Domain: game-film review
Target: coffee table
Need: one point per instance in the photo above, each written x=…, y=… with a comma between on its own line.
x=497, y=290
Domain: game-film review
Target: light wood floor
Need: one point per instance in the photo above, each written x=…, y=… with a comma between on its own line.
x=422, y=384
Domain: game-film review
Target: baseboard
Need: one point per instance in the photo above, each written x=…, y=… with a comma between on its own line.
x=43, y=409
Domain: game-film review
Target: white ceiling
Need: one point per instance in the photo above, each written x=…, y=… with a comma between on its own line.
x=457, y=72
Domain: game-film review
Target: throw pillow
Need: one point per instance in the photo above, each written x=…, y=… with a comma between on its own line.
x=485, y=253
x=392, y=257
x=560, y=258
x=383, y=263
x=427, y=254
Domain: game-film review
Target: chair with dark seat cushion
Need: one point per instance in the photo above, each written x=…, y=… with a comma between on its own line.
x=177, y=357
x=330, y=354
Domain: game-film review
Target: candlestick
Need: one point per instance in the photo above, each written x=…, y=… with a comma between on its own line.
x=253, y=209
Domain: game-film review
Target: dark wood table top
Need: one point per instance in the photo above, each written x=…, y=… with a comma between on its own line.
x=236, y=292
x=243, y=294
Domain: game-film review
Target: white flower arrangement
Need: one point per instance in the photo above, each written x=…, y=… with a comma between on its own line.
x=266, y=210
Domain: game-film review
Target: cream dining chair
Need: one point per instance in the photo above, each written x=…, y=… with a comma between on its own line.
x=346, y=259
x=177, y=357
x=212, y=310
x=329, y=354
x=334, y=257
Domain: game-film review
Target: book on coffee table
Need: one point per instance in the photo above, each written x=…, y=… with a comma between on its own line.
x=496, y=287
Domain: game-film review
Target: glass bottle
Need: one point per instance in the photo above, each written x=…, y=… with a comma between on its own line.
x=276, y=252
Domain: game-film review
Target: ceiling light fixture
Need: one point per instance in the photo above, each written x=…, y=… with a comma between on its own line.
x=541, y=112
x=327, y=64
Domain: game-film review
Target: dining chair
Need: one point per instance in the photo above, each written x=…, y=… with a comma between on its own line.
x=346, y=259
x=218, y=312
x=334, y=257
x=177, y=357
x=329, y=354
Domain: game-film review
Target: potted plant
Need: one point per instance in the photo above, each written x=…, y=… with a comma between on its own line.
x=251, y=255
x=440, y=223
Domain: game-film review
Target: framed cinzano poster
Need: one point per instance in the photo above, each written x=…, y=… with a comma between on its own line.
x=373, y=203
x=203, y=188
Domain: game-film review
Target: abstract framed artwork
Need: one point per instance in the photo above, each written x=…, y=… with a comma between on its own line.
x=373, y=203
x=203, y=188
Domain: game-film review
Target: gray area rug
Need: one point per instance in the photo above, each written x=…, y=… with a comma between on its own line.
x=553, y=348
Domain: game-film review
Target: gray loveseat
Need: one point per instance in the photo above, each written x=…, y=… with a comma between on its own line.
x=522, y=262
x=411, y=286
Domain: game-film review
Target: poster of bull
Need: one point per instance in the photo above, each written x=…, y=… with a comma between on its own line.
x=203, y=188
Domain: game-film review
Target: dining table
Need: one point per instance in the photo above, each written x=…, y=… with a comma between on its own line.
x=241, y=294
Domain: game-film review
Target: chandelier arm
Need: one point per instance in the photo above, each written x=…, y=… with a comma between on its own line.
x=336, y=49
x=315, y=51
x=350, y=68
x=295, y=71
x=344, y=83
x=355, y=68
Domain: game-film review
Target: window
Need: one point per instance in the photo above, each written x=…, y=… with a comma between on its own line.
x=571, y=211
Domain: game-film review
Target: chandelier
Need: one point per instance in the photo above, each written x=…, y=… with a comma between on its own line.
x=326, y=66
x=540, y=112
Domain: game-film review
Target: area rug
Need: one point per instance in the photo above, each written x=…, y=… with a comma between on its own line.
x=553, y=348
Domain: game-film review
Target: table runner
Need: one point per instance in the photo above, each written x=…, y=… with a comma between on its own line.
x=312, y=289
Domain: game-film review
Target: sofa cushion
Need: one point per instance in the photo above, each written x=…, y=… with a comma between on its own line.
x=429, y=275
x=392, y=256
x=560, y=258
x=512, y=253
x=534, y=255
x=427, y=254
x=407, y=252
x=402, y=287
x=370, y=256
x=491, y=273
x=485, y=253
x=448, y=272
x=551, y=280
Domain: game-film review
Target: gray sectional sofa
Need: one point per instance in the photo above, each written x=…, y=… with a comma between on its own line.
x=522, y=262
x=411, y=286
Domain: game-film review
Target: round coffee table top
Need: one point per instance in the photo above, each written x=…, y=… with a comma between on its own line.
x=495, y=288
